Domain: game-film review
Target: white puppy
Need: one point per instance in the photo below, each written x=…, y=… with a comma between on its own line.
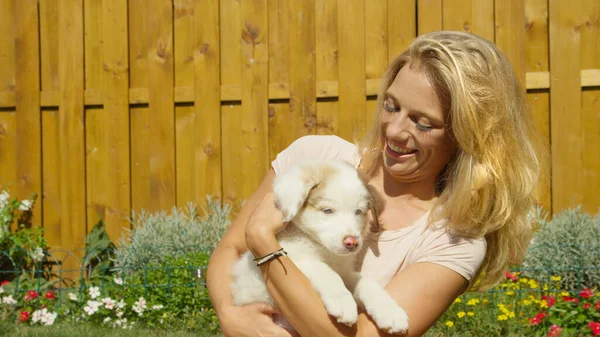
x=326, y=203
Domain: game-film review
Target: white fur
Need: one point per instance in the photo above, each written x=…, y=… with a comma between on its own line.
x=314, y=241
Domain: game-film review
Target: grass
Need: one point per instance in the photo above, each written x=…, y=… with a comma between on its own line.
x=82, y=330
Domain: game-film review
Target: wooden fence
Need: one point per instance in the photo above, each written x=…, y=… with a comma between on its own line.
x=108, y=106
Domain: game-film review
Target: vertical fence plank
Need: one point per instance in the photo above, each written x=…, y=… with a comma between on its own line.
x=376, y=38
x=207, y=95
x=457, y=15
x=279, y=74
x=536, y=27
x=95, y=117
x=185, y=147
x=161, y=102
x=231, y=72
x=8, y=151
x=590, y=53
x=565, y=104
x=326, y=63
x=71, y=123
x=482, y=13
x=51, y=202
x=141, y=194
x=402, y=26
x=510, y=34
x=7, y=45
x=116, y=108
x=429, y=14
x=255, y=82
x=303, y=85
x=27, y=57
x=352, y=87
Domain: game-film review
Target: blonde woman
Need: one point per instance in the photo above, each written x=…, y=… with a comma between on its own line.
x=454, y=153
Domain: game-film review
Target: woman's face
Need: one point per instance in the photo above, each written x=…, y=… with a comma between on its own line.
x=416, y=144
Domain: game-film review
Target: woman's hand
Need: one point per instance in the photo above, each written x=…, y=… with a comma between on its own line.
x=252, y=320
x=264, y=223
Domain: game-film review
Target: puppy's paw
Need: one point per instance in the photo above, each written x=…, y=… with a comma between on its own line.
x=390, y=318
x=343, y=308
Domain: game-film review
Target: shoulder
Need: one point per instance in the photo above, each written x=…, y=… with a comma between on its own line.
x=441, y=246
x=315, y=147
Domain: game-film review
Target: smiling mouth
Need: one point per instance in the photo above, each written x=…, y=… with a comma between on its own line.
x=400, y=151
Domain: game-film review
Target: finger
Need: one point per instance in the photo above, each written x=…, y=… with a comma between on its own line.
x=264, y=308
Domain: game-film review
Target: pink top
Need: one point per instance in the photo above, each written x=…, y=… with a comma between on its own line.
x=390, y=251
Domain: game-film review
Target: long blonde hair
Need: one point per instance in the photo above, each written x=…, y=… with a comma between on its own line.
x=486, y=188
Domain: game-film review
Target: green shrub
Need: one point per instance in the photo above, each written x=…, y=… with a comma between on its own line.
x=157, y=236
x=569, y=246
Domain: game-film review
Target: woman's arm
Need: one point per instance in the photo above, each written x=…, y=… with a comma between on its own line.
x=424, y=290
x=249, y=320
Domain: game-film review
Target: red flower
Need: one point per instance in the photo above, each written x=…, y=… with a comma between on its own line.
x=595, y=326
x=550, y=300
x=49, y=295
x=586, y=305
x=30, y=295
x=570, y=299
x=511, y=276
x=537, y=319
x=554, y=331
x=597, y=305
x=4, y=283
x=24, y=316
x=586, y=293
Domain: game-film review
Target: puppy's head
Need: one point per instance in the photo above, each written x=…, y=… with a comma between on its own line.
x=328, y=201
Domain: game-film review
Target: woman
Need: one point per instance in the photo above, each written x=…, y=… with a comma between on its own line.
x=453, y=152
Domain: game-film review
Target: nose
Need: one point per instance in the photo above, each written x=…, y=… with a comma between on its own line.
x=350, y=242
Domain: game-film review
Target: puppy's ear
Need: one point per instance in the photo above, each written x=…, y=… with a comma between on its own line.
x=291, y=190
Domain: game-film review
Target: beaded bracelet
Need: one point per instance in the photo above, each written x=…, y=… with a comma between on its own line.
x=271, y=256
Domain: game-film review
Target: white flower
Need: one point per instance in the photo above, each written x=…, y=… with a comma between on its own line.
x=1, y=290
x=8, y=300
x=119, y=314
x=91, y=307
x=36, y=316
x=4, y=196
x=25, y=205
x=106, y=320
x=139, y=306
x=73, y=296
x=121, y=304
x=109, y=303
x=47, y=318
x=94, y=292
x=157, y=307
x=118, y=281
x=38, y=255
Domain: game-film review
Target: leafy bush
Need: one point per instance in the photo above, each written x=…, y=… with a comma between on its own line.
x=569, y=245
x=157, y=236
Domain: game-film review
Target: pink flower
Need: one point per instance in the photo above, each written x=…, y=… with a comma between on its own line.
x=595, y=326
x=24, y=316
x=511, y=276
x=554, y=331
x=586, y=293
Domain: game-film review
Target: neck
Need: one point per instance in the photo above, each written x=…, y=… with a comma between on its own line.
x=421, y=191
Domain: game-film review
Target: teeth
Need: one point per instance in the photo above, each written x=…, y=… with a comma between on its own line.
x=399, y=149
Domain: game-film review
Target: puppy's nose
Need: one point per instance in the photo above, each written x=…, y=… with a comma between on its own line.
x=350, y=242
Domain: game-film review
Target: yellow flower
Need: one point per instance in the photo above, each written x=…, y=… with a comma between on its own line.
x=545, y=287
x=543, y=304
x=485, y=301
x=470, y=314
x=565, y=293
x=510, y=292
x=461, y=314
x=526, y=302
x=533, y=284
x=457, y=300
x=502, y=317
x=449, y=324
x=555, y=278
x=473, y=301
x=524, y=280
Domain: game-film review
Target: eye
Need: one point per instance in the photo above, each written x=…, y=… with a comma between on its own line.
x=358, y=212
x=327, y=210
x=389, y=106
x=420, y=125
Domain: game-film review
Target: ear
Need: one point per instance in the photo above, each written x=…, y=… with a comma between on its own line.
x=291, y=190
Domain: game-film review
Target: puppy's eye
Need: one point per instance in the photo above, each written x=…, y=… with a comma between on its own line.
x=358, y=212
x=327, y=210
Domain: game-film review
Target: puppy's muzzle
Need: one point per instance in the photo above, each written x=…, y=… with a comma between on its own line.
x=351, y=242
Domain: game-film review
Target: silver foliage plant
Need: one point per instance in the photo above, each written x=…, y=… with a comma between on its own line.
x=155, y=236
x=568, y=246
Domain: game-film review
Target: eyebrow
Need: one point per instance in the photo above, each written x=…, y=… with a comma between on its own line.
x=435, y=120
